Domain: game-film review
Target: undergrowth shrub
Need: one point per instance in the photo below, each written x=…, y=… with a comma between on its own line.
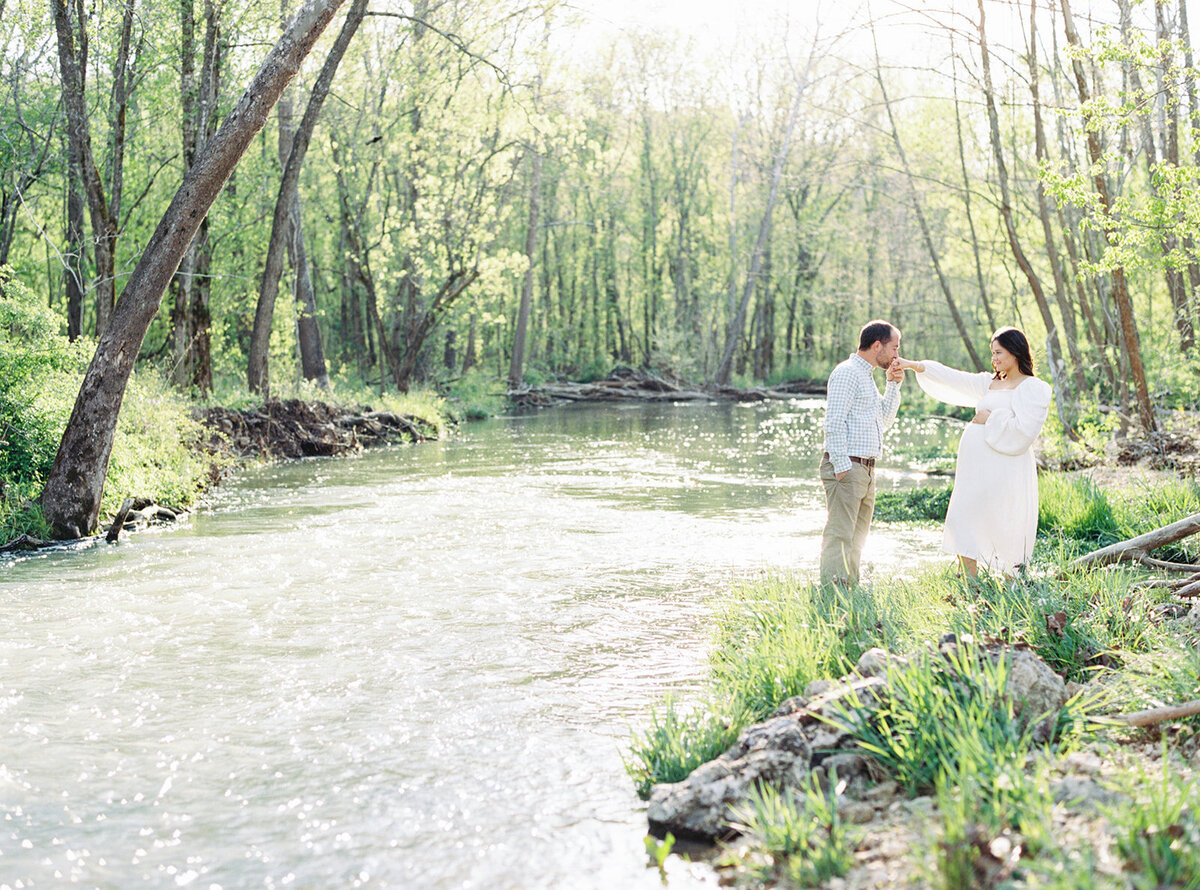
x=912, y=504
x=40, y=375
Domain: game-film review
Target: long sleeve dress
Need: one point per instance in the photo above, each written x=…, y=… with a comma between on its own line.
x=993, y=512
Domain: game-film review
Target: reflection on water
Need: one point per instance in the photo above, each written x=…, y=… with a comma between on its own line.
x=415, y=668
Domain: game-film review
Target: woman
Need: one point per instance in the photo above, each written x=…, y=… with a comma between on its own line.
x=993, y=512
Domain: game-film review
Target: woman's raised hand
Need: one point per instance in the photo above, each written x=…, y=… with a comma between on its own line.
x=905, y=365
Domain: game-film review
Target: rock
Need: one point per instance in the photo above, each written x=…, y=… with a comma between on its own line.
x=791, y=705
x=1082, y=793
x=856, y=812
x=818, y=687
x=845, y=766
x=843, y=695
x=1037, y=693
x=1082, y=762
x=876, y=662
x=883, y=791
x=704, y=804
x=1192, y=621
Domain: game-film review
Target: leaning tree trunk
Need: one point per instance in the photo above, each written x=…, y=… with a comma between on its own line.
x=308, y=334
x=71, y=498
x=1006, y=210
x=257, y=371
x=921, y=221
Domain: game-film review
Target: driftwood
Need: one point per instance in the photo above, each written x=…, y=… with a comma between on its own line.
x=1174, y=584
x=114, y=530
x=23, y=543
x=626, y=384
x=1160, y=715
x=1138, y=549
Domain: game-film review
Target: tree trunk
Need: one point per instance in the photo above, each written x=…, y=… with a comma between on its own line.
x=257, y=377
x=517, y=360
x=79, y=138
x=308, y=334
x=1006, y=212
x=74, y=268
x=1175, y=283
x=71, y=498
x=1189, y=77
x=738, y=323
x=962, y=162
x=1129, y=331
x=920, y=214
x=1042, y=152
x=1137, y=549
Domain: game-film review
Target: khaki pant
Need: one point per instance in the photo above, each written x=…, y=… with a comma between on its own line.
x=851, y=503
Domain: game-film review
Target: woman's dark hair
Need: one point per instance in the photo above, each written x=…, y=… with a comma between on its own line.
x=875, y=331
x=1014, y=341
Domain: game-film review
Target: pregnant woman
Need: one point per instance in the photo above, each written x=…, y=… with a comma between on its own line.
x=993, y=512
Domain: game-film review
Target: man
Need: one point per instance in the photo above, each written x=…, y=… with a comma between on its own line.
x=856, y=417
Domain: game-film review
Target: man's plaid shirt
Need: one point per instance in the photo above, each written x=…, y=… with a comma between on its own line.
x=856, y=415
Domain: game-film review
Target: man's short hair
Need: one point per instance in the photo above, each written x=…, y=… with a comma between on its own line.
x=874, y=331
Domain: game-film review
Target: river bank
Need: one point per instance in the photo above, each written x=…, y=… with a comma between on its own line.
x=211, y=440
x=1091, y=805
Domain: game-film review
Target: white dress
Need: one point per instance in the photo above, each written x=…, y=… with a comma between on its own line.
x=993, y=511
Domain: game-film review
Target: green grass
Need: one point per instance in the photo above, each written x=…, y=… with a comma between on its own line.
x=912, y=504
x=949, y=733
x=675, y=743
x=801, y=833
x=945, y=713
x=1157, y=829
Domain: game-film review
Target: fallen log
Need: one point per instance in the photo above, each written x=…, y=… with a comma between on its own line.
x=1189, y=590
x=1167, y=583
x=1138, y=549
x=1160, y=715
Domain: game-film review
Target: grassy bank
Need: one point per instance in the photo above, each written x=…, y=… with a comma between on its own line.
x=977, y=781
x=158, y=449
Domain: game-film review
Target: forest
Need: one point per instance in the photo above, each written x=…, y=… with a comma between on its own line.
x=450, y=191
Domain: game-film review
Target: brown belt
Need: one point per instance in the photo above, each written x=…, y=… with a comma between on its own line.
x=867, y=462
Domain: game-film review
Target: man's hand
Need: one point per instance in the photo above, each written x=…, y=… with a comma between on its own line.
x=981, y=415
x=894, y=372
x=840, y=476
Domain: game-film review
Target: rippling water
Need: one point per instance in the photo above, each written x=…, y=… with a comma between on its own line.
x=416, y=668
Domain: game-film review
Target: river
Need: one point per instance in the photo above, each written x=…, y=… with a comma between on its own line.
x=413, y=668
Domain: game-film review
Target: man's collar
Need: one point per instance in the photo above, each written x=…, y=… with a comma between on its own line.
x=863, y=361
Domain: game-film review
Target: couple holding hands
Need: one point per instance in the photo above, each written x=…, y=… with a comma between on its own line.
x=993, y=512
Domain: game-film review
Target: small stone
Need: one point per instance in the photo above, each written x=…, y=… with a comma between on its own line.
x=884, y=790
x=873, y=663
x=845, y=766
x=818, y=687
x=855, y=812
x=1082, y=793
x=1082, y=762
x=791, y=705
